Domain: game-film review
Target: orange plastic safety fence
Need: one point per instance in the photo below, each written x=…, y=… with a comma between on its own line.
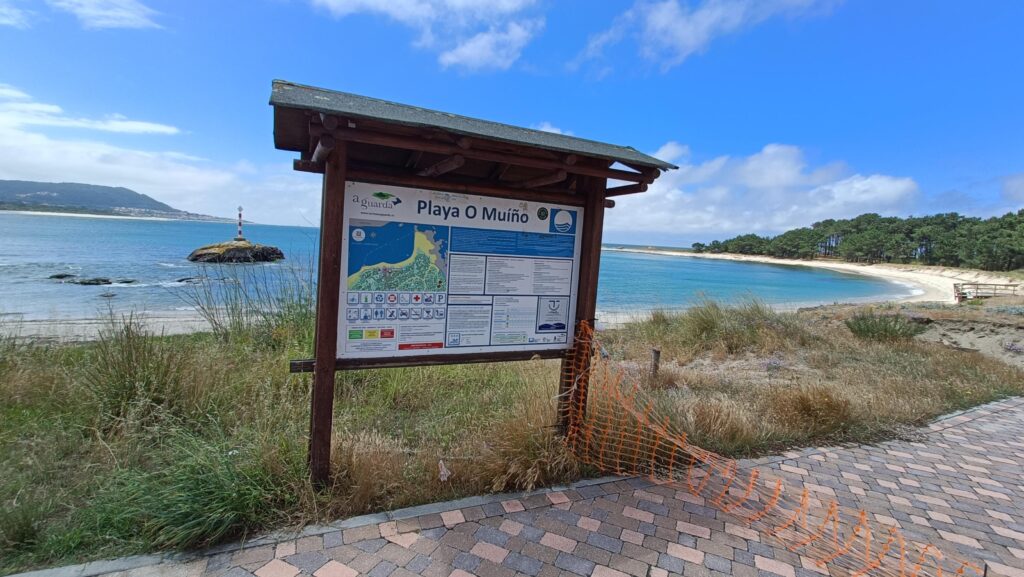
x=624, y=431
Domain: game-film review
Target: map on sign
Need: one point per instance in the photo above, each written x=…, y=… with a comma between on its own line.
x=397, y=256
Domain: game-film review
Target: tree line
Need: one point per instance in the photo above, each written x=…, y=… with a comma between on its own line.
x=950, y=239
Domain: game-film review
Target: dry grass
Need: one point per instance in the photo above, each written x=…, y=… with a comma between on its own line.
x=748, y=381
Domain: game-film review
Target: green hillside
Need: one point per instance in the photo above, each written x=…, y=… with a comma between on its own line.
x=77, y=196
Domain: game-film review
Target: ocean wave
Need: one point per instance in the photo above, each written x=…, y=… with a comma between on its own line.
x=173, y=265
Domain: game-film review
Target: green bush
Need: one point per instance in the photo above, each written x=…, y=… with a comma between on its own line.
x=883, y=328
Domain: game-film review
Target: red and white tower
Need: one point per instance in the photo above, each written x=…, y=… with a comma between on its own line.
x=239, y=237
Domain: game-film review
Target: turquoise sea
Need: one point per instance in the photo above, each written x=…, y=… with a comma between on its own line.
x=152, y=254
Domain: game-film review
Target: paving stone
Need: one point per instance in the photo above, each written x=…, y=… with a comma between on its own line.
x=371, y=545
x=277, y=568
x=670, y=563
x=574, y=564
x=523, y=564
x=716, y=563
x=434, y=534
x=335, y=569
x=466, y=562
x=383, y=569
x=604, y=542
x=309, y=561
x=361, y=534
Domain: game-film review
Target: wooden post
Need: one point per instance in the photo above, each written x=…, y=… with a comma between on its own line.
x=655, y=361
x=570, y=399
x=321, y=413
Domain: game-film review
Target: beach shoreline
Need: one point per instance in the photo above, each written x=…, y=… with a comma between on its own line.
x=71, y=330
x=925, y=283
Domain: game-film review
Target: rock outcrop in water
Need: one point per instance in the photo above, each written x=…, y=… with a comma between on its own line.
x=236, y=251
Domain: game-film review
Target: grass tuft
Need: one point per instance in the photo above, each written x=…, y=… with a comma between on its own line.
x=21, y=525
x=209, y=492
x=710, y=327
x=883, y=328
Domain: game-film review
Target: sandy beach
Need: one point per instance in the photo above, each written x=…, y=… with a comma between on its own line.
x=932, y=283
x=87, y=329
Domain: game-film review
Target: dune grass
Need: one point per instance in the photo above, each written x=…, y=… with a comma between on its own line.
x=745, y=380
x=139, y=442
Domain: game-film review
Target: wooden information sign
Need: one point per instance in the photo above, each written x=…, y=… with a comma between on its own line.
x=447, y=239
x=431, y=273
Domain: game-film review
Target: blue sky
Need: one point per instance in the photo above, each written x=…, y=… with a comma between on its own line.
x=779, y=112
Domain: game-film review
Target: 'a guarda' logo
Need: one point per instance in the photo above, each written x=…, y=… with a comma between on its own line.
x=378, y=199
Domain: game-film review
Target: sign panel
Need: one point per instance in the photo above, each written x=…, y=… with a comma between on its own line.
x=434, y=273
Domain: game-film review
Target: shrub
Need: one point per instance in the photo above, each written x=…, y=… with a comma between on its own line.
x=883, y=328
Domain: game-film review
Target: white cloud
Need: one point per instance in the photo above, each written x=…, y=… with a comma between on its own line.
x=769, y=191
x=108, y=13
x=670, y=31
x=8, y=92
x=494, y=48
x=548, y=127
x=269, y=193
x=1013, y=188
x=11, y=15
x=471, y=34
x=17, y=109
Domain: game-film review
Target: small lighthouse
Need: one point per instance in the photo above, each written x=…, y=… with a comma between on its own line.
x=239, y=237
x=237, y=250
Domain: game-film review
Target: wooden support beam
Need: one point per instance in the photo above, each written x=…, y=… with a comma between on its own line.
x=309, y=365
x=543, y=180
x=628, y=189
x=572, y=390
x=464, y=143
x=499, y=171
x=654, y=173
x=436, y=147
x=329, y=121
x=444, y=166
x=325, y=345
x=323, y=148
x=307, y=166
x=414, y=159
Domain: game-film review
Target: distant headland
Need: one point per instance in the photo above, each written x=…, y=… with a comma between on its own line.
x=92, y=199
